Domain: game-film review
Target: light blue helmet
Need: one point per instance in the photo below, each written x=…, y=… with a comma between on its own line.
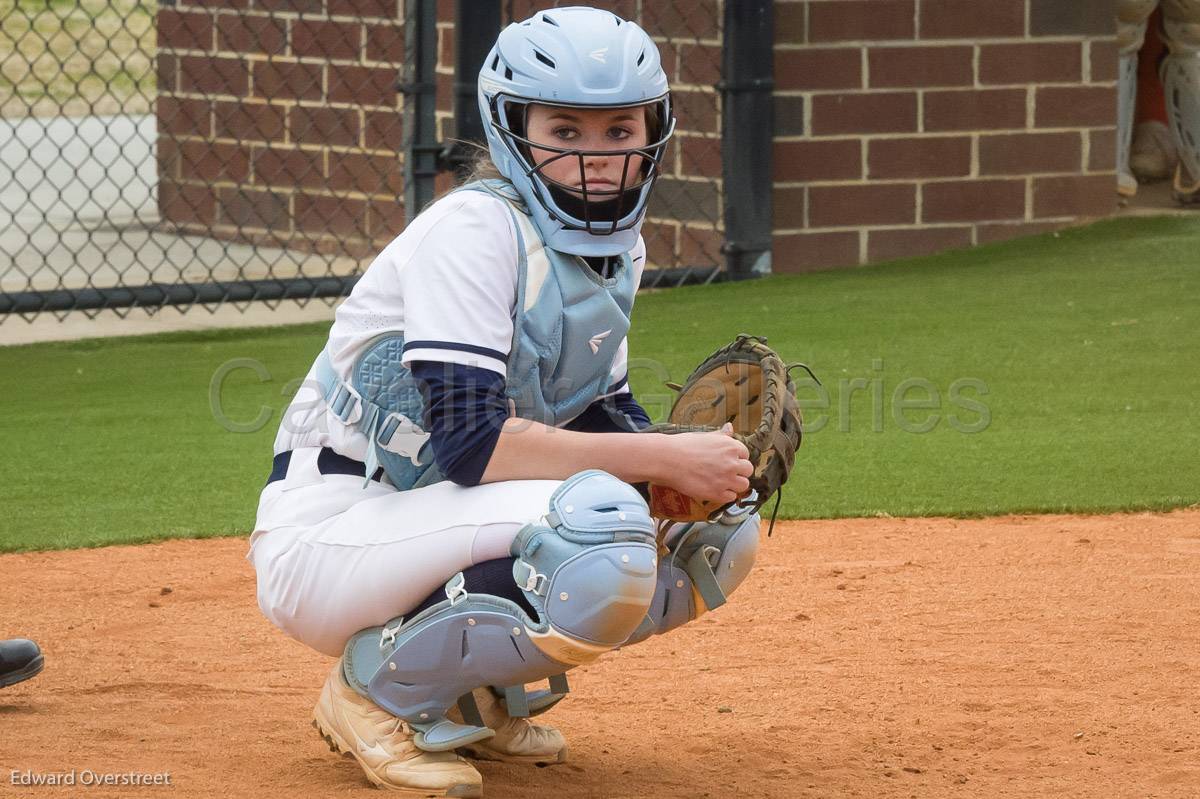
x=582, y=58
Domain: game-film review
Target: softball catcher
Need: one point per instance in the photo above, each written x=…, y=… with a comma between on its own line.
x=458, y=501
x=1180, y=73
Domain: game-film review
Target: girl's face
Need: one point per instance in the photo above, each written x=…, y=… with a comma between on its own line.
x=588, y=129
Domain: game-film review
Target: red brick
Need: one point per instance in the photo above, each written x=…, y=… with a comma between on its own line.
x=671, y=155
x=961, y=19
x=860, y=20
x=1103, y=55
x=668, y=53
x=167, y=155
x=660, y=244
x=886, y=245
x=921, y=67
x=330, y=126
x=787, y=207
x=1075, y=106
x=322, y=39
x=1031, y=62
x=385, y=219
x=808, y=252
x=363, y=85
x=166, y=67
x=285, y=80
x=819, y=159
x=1102, y=150
x=973, y=200
x=696, y=111
x=384, y=130
x=625, y=9
x=684, y=19
x=288, y=168
x=322, y=214
x=211, y=161
x=246, y=34
x=880, y=112
x=699, y=156
x=385, y=43
x=184, y=117
x=290, y=6
x=790, y=27
x=246, y=208
x=975, y=110
x=874, y=204
x=700, y=64
x=445, y=91
x=249, y=122
x=986, y=234
x=923, y=157
x=519, y=10
x=209, y=75
x=1029, y=153
x=1074, y=195
x=700, y=246
x=823, y=68
x=1056, y=18
x=186, y=204
x=445, y=58
x=380, y=9
x=185, y=30
x=367, y=174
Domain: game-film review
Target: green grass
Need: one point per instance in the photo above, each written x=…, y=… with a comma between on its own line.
x=1086, y=342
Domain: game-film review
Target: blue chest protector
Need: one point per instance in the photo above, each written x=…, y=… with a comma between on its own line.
x=568, y=324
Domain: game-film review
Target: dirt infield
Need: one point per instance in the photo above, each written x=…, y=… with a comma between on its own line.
x=1018, y=656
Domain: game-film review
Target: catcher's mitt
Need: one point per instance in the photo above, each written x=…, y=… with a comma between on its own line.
x=746, y=384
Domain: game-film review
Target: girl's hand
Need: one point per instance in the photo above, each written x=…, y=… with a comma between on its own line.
x=711, y=467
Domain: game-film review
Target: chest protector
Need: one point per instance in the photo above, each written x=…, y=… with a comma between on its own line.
x=568, y=324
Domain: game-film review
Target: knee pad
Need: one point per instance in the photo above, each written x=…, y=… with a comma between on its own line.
x=1181, y=26
x=707, y=561
x=1181, y=86
x=1131, y=23
x=589, y=571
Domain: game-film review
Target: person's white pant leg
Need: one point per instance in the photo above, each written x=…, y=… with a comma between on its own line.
x=374, y=558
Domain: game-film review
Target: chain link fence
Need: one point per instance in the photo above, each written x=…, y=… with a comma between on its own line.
x=192, y=153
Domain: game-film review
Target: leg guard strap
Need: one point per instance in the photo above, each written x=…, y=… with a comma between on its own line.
x=590, y=576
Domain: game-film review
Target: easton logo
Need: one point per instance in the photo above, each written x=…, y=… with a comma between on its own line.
x=595, y=341
x=599, y=55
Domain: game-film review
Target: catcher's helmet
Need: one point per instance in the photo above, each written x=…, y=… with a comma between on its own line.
x=581, y=58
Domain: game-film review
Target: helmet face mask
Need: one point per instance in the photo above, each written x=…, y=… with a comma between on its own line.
x=585, y=59
x=598, y=212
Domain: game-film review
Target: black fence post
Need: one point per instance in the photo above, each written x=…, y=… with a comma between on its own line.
x=746, y=126
x=475, y=32
x=419, y=86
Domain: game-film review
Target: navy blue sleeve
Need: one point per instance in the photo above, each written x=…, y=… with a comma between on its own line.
x=464, y=411
x=617, y=414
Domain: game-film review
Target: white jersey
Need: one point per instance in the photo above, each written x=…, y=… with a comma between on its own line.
x=449, y=283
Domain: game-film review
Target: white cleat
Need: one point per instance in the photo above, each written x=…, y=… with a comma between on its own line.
x=383, y=745
x=517, y=740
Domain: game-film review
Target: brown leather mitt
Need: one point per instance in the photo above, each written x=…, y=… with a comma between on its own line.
x=746, y=384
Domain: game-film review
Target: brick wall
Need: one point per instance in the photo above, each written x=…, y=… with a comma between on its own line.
x=279, y=121
x=906, y=127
